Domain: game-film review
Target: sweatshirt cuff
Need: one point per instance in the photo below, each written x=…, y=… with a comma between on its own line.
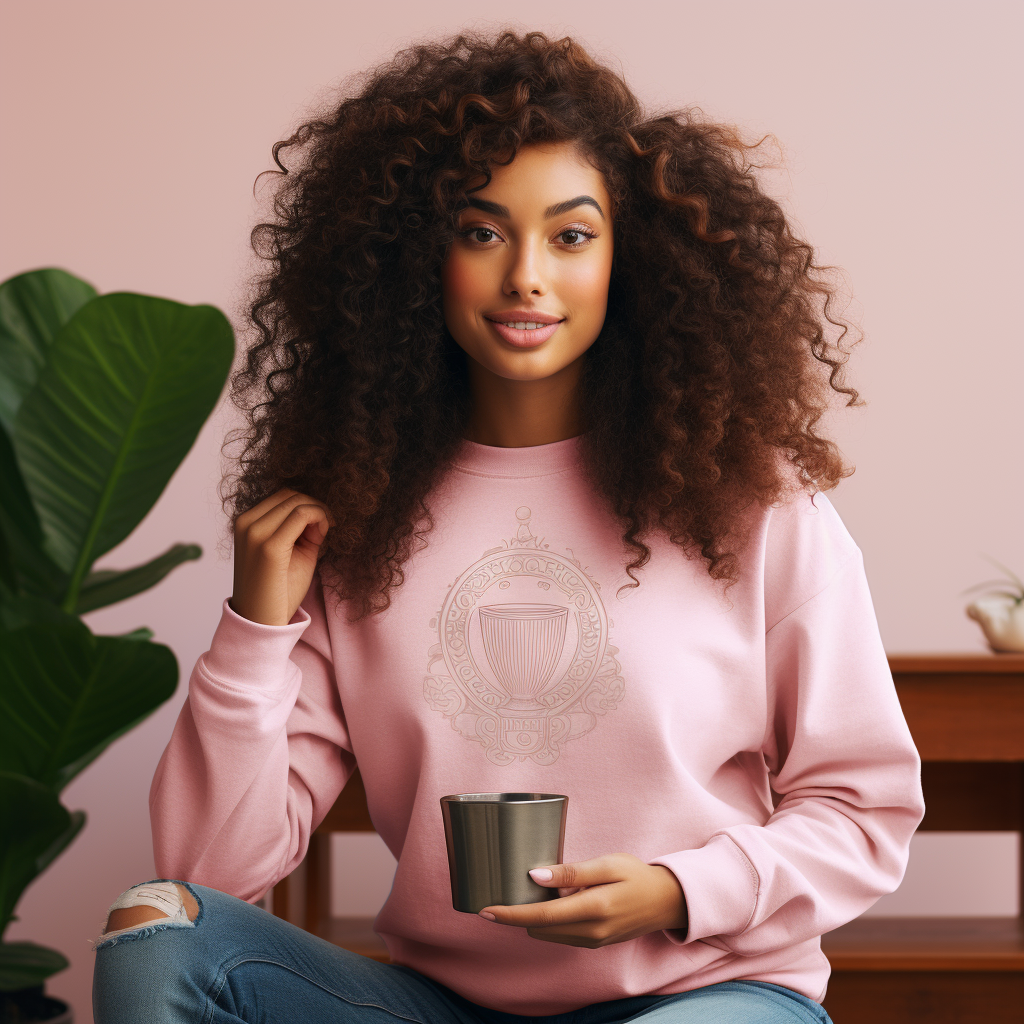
x=246, y=653
x=720, y=887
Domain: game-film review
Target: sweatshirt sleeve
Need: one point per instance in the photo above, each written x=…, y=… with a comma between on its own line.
x=258, y=755
x=840, y=756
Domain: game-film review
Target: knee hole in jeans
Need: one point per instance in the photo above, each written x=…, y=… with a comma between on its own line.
x=150, y=903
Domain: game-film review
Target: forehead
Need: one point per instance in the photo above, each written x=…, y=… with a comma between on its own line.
x=542, y=174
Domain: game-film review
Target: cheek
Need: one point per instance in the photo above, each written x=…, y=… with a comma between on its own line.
x=460, y=285
x=586, y=287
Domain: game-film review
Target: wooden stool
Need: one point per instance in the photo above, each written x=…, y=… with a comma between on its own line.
x=304, y=897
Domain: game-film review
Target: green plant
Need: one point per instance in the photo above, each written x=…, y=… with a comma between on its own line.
x=101, y=397
x=1001, y=587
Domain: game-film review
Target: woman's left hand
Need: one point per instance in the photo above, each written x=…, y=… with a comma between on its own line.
x=604, y=900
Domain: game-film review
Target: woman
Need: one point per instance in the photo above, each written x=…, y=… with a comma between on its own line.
x=532, y=357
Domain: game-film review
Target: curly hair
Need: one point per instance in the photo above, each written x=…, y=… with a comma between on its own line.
x=701, y=395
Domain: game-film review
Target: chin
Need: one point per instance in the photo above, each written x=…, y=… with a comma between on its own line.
x=517, y=367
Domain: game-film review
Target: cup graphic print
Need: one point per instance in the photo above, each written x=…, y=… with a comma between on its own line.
x=523, y=643
x=494, y=840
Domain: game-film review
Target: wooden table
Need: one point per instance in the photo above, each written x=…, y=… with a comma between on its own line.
x=966, y=713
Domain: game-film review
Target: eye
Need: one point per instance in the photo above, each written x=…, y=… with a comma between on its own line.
x=576, y=237
x=474, y=234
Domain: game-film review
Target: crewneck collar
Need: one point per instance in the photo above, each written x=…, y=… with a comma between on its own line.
x=535, y=460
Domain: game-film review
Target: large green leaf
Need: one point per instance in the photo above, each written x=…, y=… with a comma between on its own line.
x=24, y=965
x=76, y=822
x=127, y=384
x=8, y=574
x=34, y=822
x=26, y=568
x=33, y=307
x=28, y=610
x=68, y=694
x=106, y=586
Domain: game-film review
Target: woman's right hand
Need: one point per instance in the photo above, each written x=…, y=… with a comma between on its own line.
x=276, y=547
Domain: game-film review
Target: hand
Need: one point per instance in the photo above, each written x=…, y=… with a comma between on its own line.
x=604, y=900
x=276, y=547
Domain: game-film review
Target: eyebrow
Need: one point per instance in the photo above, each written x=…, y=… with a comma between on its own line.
x=552, y=211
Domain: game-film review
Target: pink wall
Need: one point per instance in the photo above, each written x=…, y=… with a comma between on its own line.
x=133, y=133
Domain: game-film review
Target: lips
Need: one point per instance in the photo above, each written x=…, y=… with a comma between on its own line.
x=519, y=317
x=520, y=338
x=518, y=327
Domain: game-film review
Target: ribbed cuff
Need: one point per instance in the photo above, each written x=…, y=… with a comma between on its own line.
x=720, y=886
x=253, y=654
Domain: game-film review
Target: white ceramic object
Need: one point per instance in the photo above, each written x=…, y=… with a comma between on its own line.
x=1002, y=620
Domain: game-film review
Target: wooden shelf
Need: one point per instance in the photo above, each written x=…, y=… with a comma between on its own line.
x=955, y=664
x=867, y=944
x=963, y=707
x=927, y=944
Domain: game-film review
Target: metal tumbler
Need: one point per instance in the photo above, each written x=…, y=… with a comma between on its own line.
x=494, y=839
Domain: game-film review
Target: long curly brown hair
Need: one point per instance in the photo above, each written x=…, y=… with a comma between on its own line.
x=701, y=394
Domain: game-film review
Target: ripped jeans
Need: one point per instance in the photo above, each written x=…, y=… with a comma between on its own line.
x=236, y=962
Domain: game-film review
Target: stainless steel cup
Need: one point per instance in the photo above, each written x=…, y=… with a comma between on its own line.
x=494, y=839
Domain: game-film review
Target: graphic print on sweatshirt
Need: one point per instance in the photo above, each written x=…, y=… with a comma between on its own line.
x=523, y=659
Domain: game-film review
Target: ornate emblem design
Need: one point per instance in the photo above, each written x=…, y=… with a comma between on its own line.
x=523, y=659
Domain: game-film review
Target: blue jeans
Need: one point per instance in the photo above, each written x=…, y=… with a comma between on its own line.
x=236, y=962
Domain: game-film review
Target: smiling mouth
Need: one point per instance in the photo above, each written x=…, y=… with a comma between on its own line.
x=524, y=334
x=523, y=325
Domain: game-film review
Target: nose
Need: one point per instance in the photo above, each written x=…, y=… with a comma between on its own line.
x=526, y=273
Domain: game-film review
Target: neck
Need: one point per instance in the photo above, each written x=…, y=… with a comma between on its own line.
x=522, y=413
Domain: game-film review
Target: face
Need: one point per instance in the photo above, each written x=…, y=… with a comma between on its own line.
x=534, y=247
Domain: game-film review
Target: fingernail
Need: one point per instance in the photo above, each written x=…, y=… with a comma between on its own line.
x=541, y=874
x=490, y=917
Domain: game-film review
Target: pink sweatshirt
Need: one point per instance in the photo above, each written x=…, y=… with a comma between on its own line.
x=664, y=713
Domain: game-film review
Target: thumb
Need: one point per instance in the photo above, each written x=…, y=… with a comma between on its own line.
x=316, y=531
x=541, y=877
x=579, y=874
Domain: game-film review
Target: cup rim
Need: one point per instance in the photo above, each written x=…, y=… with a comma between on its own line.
x=495, y=798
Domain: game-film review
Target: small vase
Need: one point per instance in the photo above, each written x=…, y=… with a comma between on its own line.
x=1002, y=620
